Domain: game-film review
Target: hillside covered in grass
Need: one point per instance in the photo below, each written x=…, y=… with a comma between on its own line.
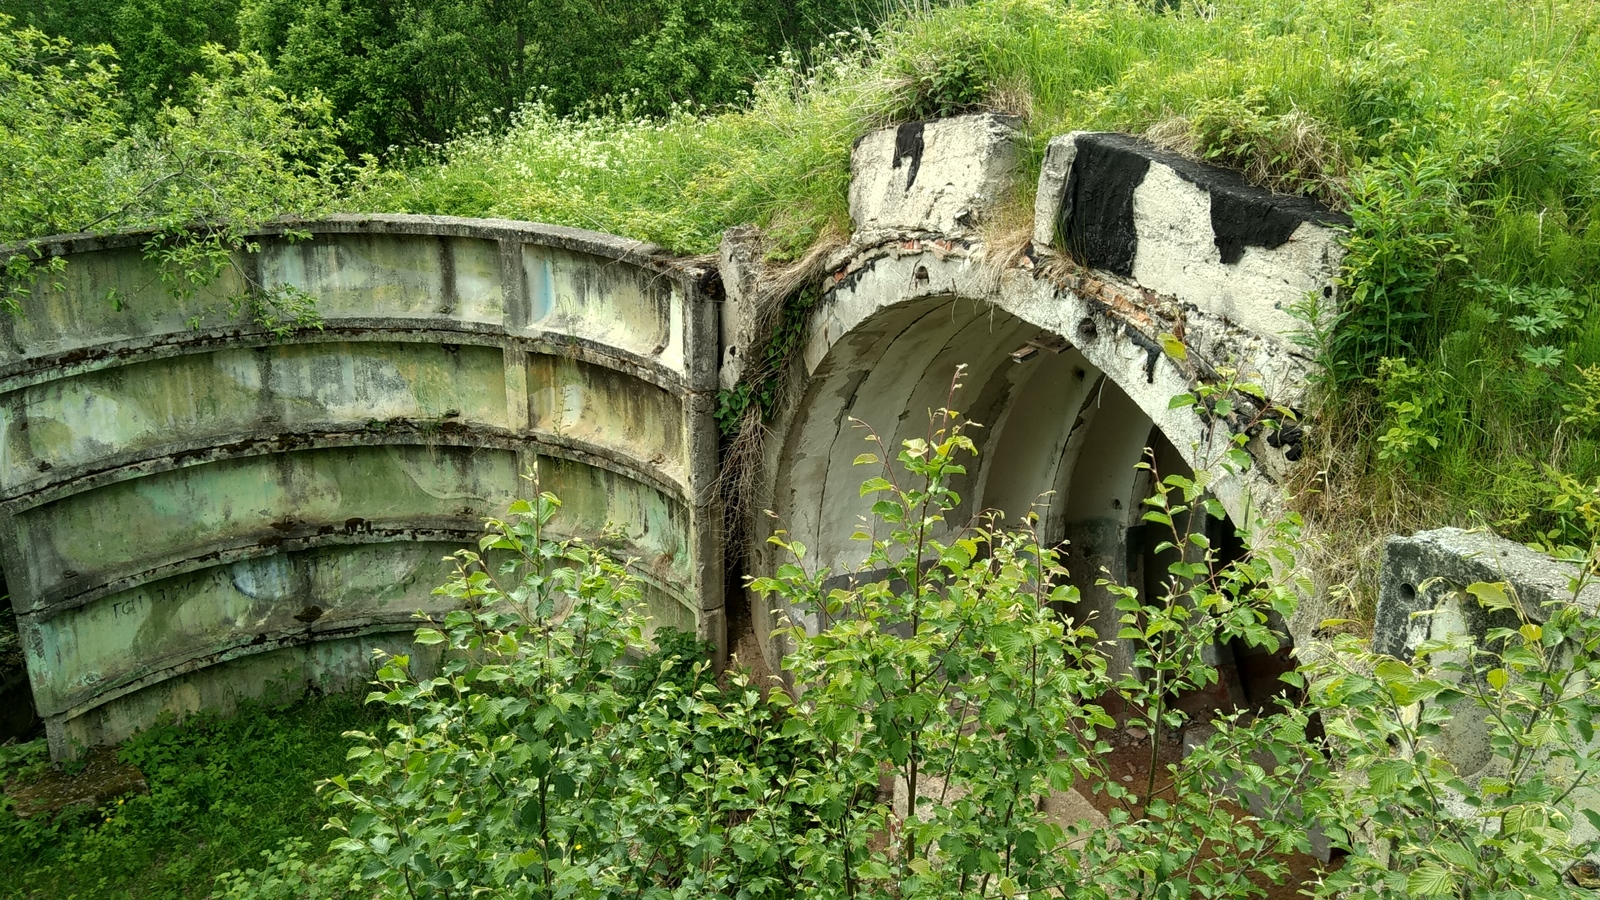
x=1462, y=137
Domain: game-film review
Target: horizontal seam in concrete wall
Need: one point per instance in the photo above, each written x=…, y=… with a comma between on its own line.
x=270, y=542
x=244, y=445
x=173, y=665
x=178, y=664
x=255, y=545
x=66, y=364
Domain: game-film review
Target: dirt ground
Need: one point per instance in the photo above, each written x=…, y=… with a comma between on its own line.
x=1255, y=678
x=102, y=778
x=1130, y=761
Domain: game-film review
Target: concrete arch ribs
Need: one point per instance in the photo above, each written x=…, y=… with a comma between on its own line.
x=1063, y=341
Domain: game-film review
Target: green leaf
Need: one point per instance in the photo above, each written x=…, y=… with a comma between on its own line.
x=1431, y=880
x=1593, y=816
x=875, y=486
x=1174, y=347
x=1491, y=594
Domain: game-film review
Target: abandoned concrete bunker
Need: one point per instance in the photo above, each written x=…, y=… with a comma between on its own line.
x=192, y=508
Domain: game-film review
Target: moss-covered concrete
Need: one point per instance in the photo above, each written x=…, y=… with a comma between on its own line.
x=191, y=508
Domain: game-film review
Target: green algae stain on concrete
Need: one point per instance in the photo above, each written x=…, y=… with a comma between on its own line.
x=105, y=297
x=573, y=400
x=238, y=502
x=191, y=508
x=175, y=621
x=229, y=394
x=395, y=276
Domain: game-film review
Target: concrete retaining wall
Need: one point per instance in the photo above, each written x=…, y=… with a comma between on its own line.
x=188, y=506
x=190, y=509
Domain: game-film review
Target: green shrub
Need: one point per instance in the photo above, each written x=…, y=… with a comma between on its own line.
x=559, y=754
x=544, y=762
x=1421, y=827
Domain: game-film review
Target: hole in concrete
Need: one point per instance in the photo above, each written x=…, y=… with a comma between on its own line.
x=1408, y=591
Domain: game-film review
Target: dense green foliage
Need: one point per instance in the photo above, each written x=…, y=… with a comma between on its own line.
x=403, y=74
x=1463, y=138
x=160, y=44
x=558, y=755
x=241, y=152
x=222, y=792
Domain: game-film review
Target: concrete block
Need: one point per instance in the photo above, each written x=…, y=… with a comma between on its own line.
x=1426, y=569
x=942, y=176
x=739, y=262
x=1198, y=233
x=1427, y=573
x=1051, y=205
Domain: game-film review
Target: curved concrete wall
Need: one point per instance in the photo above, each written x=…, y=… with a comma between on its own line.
x=190, y=508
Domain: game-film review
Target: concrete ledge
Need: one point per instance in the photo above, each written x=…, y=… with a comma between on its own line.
x=942, y=176
x=579, y=240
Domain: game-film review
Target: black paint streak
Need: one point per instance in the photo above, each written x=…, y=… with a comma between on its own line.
x=1098, y=212
x=1239, y=220
x=908, y=143
x=1152, y=351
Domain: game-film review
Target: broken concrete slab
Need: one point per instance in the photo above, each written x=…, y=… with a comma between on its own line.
x=1425, y=570
x=944, y=176
x=1199, y=233
x=1423, y=596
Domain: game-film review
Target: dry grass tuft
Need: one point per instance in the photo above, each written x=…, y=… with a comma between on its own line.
x=1292, y=153
x=743, y=469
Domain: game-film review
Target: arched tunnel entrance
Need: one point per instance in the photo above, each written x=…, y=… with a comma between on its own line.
x=1058, y=436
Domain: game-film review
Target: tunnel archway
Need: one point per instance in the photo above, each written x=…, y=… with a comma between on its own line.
x=1058, y=435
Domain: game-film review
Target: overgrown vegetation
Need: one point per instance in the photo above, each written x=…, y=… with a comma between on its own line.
x=1462, y=138
x=557, y=754
x=1462, y=384
x=201, y=177
x=221, y=793
x=400, y=75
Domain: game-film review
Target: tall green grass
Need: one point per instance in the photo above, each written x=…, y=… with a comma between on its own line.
x=1462, y=136
x=680, y=181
